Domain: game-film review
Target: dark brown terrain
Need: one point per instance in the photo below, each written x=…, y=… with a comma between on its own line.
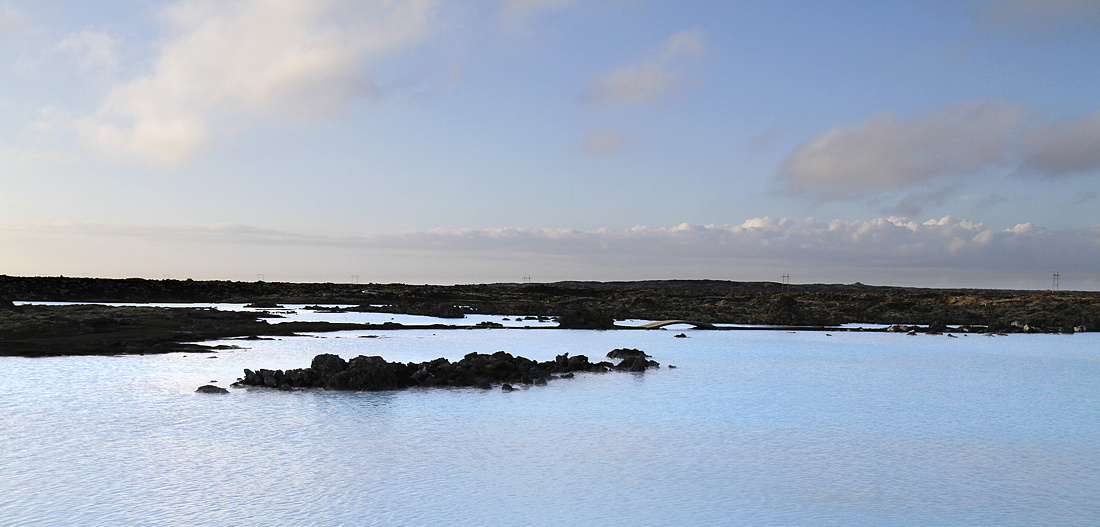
x=52, y=330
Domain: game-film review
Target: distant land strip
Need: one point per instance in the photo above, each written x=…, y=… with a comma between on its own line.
x=604, y=305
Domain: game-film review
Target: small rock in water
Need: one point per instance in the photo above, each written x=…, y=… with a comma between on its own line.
x=680, y=336
x=506, y=387
x=209, y=388
x=626, y=353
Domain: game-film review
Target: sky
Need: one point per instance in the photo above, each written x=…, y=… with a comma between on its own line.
x=936, y=143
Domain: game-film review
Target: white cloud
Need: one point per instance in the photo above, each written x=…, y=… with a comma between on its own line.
x=648, y=82
x=886, y=151
x=914, y=203
x=604, y=143
x=51, y=119
x=31, y=160
x=1066, y=148
x=96, y=50
x=956, y=141
x=224, y=63
x=11, y=20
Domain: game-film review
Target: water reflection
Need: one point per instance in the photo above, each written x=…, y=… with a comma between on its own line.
x=751, y=428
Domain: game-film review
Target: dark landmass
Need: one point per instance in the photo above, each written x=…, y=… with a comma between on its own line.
x=35, y=331
x=69, y=330
x=714, y=301
x=477, y=370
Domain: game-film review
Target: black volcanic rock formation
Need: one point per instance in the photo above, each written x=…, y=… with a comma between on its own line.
x=480, y=370
x=583, y=318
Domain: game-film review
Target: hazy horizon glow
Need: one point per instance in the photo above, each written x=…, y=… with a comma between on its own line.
x=437, y=141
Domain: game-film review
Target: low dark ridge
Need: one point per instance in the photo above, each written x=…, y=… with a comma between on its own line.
x=596, y=305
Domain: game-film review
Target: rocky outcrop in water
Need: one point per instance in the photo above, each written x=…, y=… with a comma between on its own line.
x=633, y=360
x=583, y=318
x=478, y=370
x=210, y=388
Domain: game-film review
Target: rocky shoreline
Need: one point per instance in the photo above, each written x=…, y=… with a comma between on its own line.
x=44, y=330
x=596, y=305
x=51, y=330
x=476, y=370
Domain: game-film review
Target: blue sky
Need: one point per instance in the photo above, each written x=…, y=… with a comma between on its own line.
x=936, y=143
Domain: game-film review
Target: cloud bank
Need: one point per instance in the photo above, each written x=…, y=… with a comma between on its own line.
x=230, y=64
x=955, y=141
x=1067, y=147
x=831, y=250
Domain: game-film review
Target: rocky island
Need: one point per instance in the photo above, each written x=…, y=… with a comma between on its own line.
x=477, y=370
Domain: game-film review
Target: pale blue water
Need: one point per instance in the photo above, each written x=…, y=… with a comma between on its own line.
x=753, y=427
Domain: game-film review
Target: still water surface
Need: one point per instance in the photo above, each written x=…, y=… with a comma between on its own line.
x=753, y=427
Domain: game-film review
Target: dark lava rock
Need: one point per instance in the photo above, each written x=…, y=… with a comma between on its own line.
x=6, y=304
x=328, y=364
x=506, y=387
x=209, y=388
x=365, y=374
x=578, y=363
x=633, y=360
x=626, y=353
x=581, y=318
x=681, y=336
x=261, y=304
x=476, y=370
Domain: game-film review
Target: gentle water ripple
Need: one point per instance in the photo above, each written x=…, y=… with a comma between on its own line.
x=752, y=428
